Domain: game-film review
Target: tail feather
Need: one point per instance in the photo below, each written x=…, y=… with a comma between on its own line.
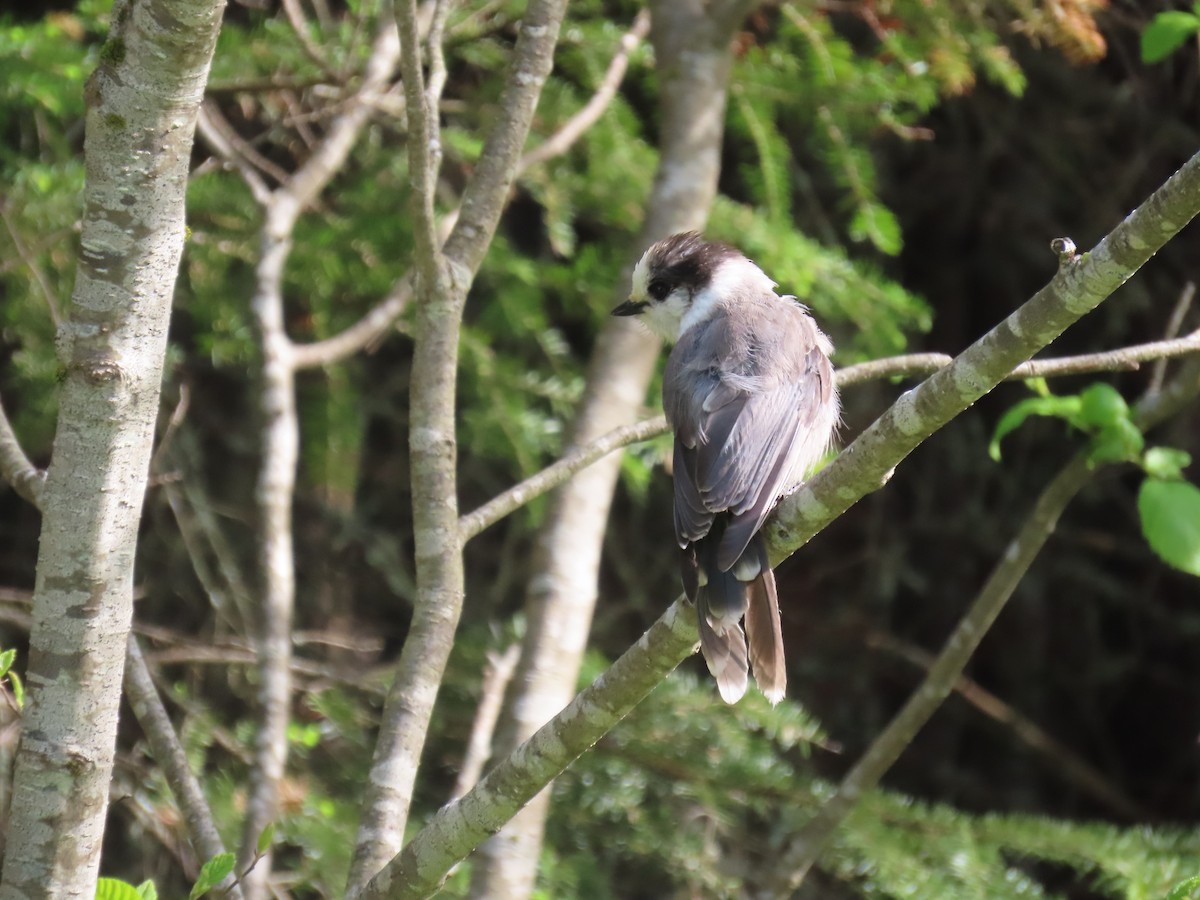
x=766, y=637
x=725, y=654
x=722, y=598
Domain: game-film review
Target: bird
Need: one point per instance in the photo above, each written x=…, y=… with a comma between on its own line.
x=749, y=393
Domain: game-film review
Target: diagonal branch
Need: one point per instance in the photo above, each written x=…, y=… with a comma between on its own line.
x=806, y=847
x=15, y=468
x=1078, y=288
x=172, y=759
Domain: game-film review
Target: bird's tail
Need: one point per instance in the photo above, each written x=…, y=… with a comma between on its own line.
x=722, y=599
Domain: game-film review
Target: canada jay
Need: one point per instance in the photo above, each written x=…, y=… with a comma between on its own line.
x=749, y=392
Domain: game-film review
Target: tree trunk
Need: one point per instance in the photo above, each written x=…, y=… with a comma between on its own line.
x=693, y=49
x=142, y=103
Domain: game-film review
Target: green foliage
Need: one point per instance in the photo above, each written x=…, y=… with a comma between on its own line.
x=1186, y=889
x=15, y=684
x=1167, y=32
x=893, y=846
x=1170, y=517
x=115, y=889
x=1099, y=411
x=212, y=873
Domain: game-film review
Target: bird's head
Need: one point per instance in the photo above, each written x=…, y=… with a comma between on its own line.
x=682, y=280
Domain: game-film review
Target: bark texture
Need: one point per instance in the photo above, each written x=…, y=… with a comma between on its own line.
x=142, y=103
x=693, y=54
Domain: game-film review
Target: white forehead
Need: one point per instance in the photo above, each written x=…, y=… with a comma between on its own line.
x=641, y=276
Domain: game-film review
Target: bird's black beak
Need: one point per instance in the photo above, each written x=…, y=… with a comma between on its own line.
x=629, y=308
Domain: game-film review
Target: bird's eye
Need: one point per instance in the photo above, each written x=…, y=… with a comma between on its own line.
x=659, y=290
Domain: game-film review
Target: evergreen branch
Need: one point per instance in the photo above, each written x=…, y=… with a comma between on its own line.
x=26, y=478
x=172, y=759
x=31, y=263
x=457, y=827
x=806, y=847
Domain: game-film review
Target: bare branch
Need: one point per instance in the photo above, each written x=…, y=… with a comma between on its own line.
x=496, y=676
x=1073, y=767
x=552, y=476
x=442, y=284
x=171, y=758
x=1174, y=324
x=580, y=458
x=366, y=331
x=459, y=826
x=295, y=17
x=1121, y=360
x=573, y=129
x=235, y=152
x=26, y=478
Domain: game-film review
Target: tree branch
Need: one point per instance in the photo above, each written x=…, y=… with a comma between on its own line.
x=26, y=479
x=574, y=128
x=172, y=759
x=457, y=827
x=433, y=454
x=496, y=676
x=579, y=458
x=1078, y=288
x=805, y=849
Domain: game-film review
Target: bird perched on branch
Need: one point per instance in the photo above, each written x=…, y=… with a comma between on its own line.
x=750, y=395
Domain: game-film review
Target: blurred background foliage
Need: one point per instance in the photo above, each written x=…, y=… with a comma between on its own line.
x=900, y=165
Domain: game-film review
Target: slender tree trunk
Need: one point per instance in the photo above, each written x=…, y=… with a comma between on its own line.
x=142, y=103
x=693, y=50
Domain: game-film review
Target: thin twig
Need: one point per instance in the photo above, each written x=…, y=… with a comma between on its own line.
x=171, y=757
x=496, y=676
x=295, y=17
x=1174, y=324
x=15, y=468
x=224, y=141
x=1073, y=767
x=911, y=364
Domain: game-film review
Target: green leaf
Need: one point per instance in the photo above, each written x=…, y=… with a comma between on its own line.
x=212, y=873
x=1170, y=514
x=1166, y=33
x=115, y=889
x=876, y=223
x=1185, y=889
x=265, y=839
x=18, y=689
x=1166, y=462
x=1120, y=442
x=147, y=891
x=6, y=660
x=1067, y=408
x=1102, y=406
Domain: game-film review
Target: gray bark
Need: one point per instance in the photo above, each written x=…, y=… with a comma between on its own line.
x=444, y=277
x=694, y=57
x=142, y=103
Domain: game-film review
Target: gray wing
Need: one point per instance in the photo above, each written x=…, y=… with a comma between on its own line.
x=746, y=412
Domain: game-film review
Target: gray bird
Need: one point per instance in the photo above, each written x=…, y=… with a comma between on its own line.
x=750, y=395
